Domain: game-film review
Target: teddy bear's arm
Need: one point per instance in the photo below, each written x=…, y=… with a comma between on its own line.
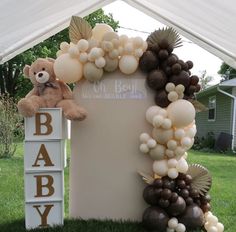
x=33, y=92
x=66, y=91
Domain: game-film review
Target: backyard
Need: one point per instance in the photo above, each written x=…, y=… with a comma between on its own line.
x=221, y=166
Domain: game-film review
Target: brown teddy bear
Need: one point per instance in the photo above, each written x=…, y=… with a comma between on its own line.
x=48, y=92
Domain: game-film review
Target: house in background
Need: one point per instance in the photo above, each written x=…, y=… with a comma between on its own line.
x=220, y=116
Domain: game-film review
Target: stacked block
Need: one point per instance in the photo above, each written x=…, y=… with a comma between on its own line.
x=44, y=162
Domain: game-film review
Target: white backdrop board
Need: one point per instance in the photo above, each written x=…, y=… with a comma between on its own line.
x=105, y=156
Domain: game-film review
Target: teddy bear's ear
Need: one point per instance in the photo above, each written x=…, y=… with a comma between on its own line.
x=26, y=70
x=51, y=59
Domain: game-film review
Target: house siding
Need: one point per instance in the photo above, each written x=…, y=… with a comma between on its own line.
x=223, y=120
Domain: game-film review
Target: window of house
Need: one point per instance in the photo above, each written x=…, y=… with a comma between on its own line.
x=212, y=108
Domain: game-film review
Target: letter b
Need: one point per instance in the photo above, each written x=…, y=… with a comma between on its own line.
x=46, y=124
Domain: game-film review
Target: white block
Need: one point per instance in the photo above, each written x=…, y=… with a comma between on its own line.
x=48, y=123
x=44, y=155
x=44, y=186
x=105, y=156
x=51, y=214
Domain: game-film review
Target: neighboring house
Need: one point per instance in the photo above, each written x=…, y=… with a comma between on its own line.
x=220, y=116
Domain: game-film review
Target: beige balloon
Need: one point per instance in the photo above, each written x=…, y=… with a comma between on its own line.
x=128, y=64
x=100, y=30
x=92, y=73
x=181, y=113
x=162, y=136
x=68, y=69
x=111, y=64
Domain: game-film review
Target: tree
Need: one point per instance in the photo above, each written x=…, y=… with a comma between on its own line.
x=226, y=72
x=12, y=80
x=204, y=80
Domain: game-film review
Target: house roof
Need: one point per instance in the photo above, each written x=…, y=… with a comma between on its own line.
x=210, y=24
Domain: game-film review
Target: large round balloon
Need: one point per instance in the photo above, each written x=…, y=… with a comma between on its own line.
x=67, y=69
x=176, y=208
x=128, y=64
x=154, y=218
x=181, y=113
x=100, y=30
x=193, y=217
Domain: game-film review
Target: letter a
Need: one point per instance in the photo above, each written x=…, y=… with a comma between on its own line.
x=48, y=185
x=43, y=155
x=43, y=215
x=46, y=123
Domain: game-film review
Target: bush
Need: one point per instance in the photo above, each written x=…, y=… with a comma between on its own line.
x=10, y=126
x=205, y=143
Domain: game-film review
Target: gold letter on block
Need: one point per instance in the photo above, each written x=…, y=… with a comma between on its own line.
x=39, y=123
x=43, y=155
x=44, y=215
x=48, y=185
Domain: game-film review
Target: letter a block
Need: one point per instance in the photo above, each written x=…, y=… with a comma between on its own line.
x=44, y=163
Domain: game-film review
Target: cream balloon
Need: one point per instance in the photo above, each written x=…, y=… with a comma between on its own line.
x=162, y=136
x=128, y=64
x=100, y=30
x=160, y=167
x=151, y=112
x=144, y=137
x=111, y=64
x=144, y=148
x=172, y=163
x=158, y=152
x=181, y=113
x=180, y=228
x=151, y=143
x=67, y=69
x=220, y=227
x=173, y=173
x=92, y=73
x=109, y=36
x=182, y=165
x=173, y=223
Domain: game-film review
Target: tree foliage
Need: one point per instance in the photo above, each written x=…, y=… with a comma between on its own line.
x=226, y=72
x=12, y=80
x=204, y=80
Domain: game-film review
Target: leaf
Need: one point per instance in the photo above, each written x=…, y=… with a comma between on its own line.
x=146, y=177
x=199, y=107
x=79, y=29
x=201, y=178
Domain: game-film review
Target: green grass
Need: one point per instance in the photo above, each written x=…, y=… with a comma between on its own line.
x=221, y=166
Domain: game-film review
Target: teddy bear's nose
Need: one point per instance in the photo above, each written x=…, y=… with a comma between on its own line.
x=40, y=74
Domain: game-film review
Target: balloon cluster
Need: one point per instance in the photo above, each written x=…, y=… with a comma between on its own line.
x=105, y=50
x=163, y=67
x=172, y=136
x=212, y=224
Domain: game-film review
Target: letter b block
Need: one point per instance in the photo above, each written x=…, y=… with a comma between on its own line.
x=46, y=124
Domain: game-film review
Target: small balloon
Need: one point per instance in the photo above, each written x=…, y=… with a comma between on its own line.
x=160, y=167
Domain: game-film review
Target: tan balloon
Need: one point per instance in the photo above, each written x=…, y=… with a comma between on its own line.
x=181, y=113
x=100, y=30
x=158, y=152
x=68, y=69
x=92, y=73
x=162, y=136
x=111, y=64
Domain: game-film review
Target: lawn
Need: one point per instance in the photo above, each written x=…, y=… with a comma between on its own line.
x=221, y=166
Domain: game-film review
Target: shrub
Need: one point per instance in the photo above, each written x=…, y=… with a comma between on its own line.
x=10, y=126
x=205, y=143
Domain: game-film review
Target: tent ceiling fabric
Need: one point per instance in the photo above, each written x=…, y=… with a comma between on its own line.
x=210, y=24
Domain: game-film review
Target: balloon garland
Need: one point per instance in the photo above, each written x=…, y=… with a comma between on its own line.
x=176, y=192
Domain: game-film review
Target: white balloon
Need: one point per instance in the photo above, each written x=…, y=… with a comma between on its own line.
x=100, y=62
x=113, y=54
x=151, y=143
x=172, y=163
x=144, y=137
x=162, y=136
x=100, y=30
x=212, y=219
x=67, y=69
x=220, y=227
x=166, y=124
x=151, y=112
x=160, y=167
x=180, y=228
x=170, y=153
x=175, y=113
x=73, y=51
x=83, y=45
x=170, y=87
x=157, y=121
x=173, y=223
x=212, y=229
x=128, y=64
x=172, y=96
x=172, y=144
x=207, y=225
x=186, y=142
x=182, y=165
x=179, y=134
x=158, y=152
x=179, y=89
x=128, y=48
x=144, y=148
x=173, y=173
x=83, y=57
x=163, y=112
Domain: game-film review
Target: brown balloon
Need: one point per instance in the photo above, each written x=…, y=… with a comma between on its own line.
x=176, y=68
x=161, y=99
x=163, y=43
x=182, y=78
x=155, y=218
x=151, y=195
x=206, y=207
x=194, y=80
x=156, y=79
x=163, y=54
x=148, y=61
x=190, y=64
x=192, y=218
x=172, y=59
x=191, y=89
x=177, y=207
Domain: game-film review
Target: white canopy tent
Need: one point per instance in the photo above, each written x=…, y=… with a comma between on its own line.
x=210, y=24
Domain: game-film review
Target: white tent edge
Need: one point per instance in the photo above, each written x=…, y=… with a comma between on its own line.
x=142, y=5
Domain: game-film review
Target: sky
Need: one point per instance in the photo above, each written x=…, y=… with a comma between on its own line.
x=132, y=18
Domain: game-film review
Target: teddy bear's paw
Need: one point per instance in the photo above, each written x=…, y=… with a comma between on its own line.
x=77, y=113
x=26, y=108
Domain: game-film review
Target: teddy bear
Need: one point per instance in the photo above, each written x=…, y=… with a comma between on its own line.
x=48, y=92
